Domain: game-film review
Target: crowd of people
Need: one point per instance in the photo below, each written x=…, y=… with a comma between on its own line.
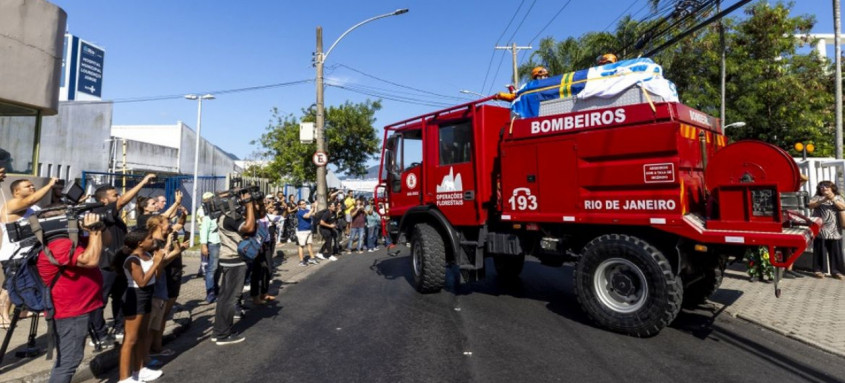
x=138, y=268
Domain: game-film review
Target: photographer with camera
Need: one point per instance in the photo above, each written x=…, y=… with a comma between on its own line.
x=329, y=231
x=18, y=208
x=233, y=227
x=114, y=283
x=76, y=292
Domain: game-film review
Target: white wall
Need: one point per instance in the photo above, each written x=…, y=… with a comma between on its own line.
x=75, y=139
x=180, y=137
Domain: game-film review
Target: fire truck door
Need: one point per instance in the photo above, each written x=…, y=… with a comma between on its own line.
x=404, y=171
x=520, y=182
x=452, y=180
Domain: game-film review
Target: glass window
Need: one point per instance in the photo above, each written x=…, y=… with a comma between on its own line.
x=18, y=128
x=456, y=143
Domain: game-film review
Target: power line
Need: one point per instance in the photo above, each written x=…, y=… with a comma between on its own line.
x=523, y=54
x=522, y=21
x=387, y=96
x=182, y=95
x=620, y=15
x=502, y=60
x=525, y=16
x=550, y=22
x=493, y=54
x=397, y=84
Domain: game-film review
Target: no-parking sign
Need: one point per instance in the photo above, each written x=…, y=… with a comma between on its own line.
x=320, y=158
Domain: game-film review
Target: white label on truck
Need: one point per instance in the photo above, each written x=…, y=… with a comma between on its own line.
x=730, y=239
x=578, y=121
x=659, y=173
x=658, y=221
x=700, y=118
x=568, y=218
x=506, y=217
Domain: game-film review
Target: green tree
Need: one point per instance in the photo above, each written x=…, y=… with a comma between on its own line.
x=783, y=96
x=350, y=136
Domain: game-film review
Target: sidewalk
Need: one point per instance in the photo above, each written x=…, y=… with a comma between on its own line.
x=810, y=310
x=190, y=308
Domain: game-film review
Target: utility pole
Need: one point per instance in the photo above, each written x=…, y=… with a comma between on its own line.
x=513, y=48
x=837, y=49
x=318, y=125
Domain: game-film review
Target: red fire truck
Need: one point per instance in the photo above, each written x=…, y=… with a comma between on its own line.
x=647, y=199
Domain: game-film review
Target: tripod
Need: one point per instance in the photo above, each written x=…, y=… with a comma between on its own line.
x=31, y=350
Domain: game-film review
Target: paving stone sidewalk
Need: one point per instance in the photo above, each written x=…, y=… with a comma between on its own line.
x=810, y=310
x=191, y=308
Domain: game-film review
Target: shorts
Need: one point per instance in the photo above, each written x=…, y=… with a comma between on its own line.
x=303, y=238
x=157, y=314
x=349, y=218
x=137, y=301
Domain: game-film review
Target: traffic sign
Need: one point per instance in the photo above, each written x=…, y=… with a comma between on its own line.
x=320, y=158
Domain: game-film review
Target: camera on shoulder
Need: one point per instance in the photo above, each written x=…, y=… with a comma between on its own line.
x=231, y=202
x=57, y=220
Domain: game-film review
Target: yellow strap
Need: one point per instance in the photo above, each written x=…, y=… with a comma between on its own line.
x=648, y=98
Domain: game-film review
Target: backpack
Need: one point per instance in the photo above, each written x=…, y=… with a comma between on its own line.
x=26, y=289
x=24, y=284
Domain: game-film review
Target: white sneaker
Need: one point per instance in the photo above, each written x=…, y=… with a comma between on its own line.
x=130, y=379
x=245, y=289
x=332, y=258
x=147, y=375
x=321, y=256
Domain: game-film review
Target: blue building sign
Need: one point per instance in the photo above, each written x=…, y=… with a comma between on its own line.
x=82, y=70
x=90, y=70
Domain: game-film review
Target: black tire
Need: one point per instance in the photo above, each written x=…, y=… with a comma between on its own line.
x=627, y=285
x=428, y=257
x=698, y=291
x=509, y=266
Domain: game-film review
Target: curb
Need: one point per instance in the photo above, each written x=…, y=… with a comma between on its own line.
x=788, y=334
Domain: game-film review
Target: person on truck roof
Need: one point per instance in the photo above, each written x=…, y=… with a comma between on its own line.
x=607, y=58
x=539, y=73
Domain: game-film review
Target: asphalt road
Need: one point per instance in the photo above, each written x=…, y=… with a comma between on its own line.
x=360, y=320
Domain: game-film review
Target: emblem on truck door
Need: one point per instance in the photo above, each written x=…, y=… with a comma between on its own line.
x=411, y=181
x=451, y=182
x=449, y=191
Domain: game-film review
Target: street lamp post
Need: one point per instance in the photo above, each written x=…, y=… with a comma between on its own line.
x=196, y=160
x=737, y=124
x=319, y=137
x=464, y=91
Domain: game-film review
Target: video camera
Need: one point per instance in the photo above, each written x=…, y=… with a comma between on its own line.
x=57, y=225
x=232, y=201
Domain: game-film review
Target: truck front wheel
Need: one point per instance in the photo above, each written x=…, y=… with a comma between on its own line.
x=627, y=285
x=428, y=254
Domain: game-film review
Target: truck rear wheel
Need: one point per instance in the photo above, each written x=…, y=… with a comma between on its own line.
x=509, y=266
x=627, y=285
x=697, y=292
x=428, y=254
